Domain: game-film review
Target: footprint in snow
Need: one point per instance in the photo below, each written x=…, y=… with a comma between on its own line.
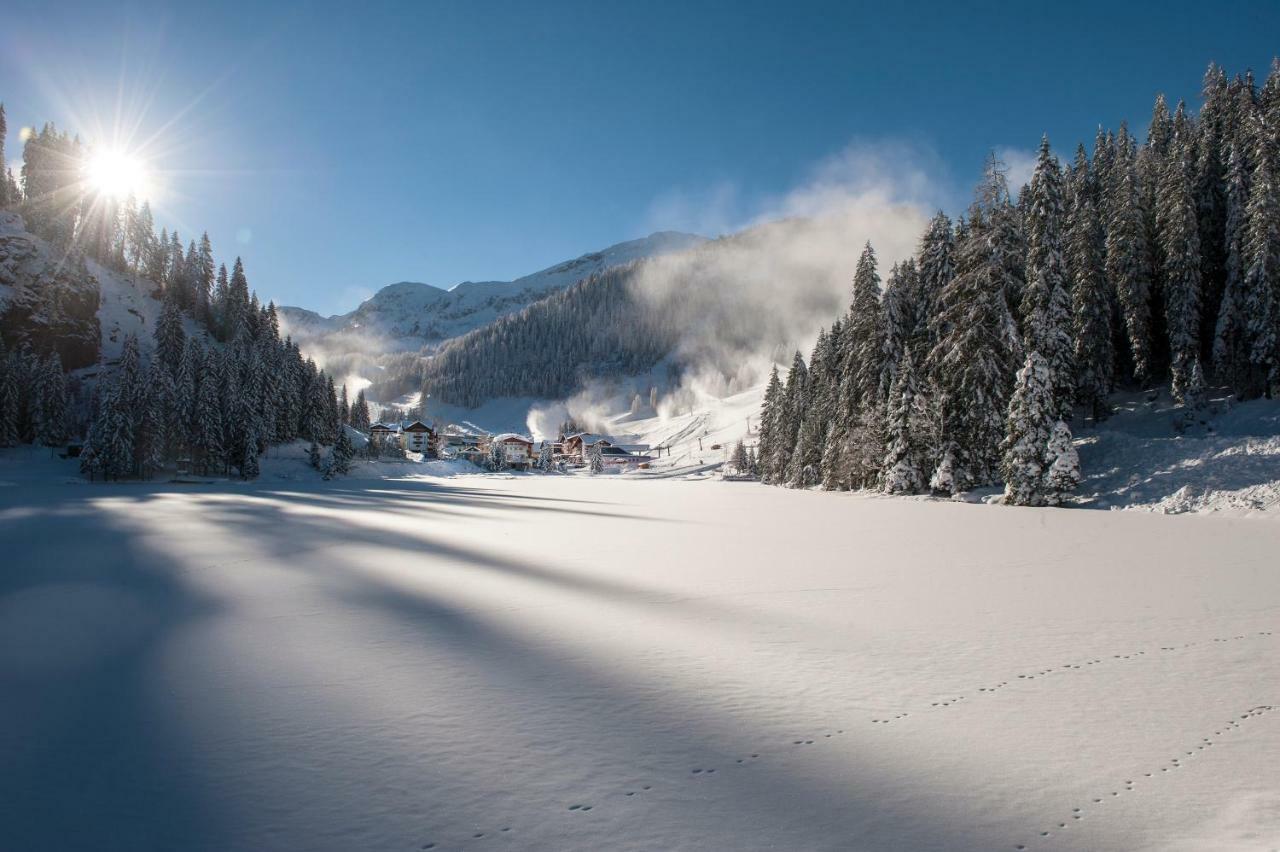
x=1176, y=763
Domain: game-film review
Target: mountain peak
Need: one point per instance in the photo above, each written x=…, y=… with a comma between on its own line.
x=411, y=314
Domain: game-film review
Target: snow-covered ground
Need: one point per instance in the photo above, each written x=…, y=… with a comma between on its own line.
x=578, y=663
x=1225, y=459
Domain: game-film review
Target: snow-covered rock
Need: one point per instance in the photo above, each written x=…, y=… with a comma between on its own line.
x=47, y=300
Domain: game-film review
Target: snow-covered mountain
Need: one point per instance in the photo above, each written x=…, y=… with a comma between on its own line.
x=409, y=315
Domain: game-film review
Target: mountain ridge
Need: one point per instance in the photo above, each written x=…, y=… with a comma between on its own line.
x=408, y=315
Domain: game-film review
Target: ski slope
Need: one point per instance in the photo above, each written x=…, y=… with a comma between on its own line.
x=587, y=663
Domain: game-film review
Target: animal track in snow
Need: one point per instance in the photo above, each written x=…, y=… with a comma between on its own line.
x=1063, y=668
x=1175, y=763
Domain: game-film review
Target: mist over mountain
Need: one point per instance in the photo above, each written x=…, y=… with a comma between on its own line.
x=409, y=316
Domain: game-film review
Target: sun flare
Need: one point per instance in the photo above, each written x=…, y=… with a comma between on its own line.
x=118, y=174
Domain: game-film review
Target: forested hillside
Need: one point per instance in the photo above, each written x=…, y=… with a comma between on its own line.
x=207, y=387
x=1135, y=265
x=594, y=328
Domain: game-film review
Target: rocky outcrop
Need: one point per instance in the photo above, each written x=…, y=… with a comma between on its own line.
x=48, y=301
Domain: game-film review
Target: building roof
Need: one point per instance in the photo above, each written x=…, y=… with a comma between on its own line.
x=512, y=436
x=589, y=438
x=383, y=427
x=417, y=426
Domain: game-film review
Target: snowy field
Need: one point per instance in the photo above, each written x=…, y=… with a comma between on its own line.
x=569, y=663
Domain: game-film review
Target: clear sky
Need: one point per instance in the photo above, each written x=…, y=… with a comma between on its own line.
x=342, y=147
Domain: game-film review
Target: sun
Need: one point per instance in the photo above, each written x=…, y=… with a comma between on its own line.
x=117, y=174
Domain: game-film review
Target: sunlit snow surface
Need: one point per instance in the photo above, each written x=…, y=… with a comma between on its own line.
x=576, y=663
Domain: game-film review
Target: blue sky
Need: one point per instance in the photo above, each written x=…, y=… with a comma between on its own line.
x=342, y=147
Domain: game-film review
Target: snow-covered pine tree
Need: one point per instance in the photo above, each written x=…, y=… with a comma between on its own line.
x=864, y=355
x=907, y=453
x=1046, y=304
x=242, y=427
x=1128, y=258
x=1150, y=162
x=816, y=414
x=202, y=278
x=947, y=477
x=864, y=448
x=1078, y=182
x=1231, y=334
x=51, y=396
x=595, y=459
x=805, y=469
x=936, y=269
x=8, y=398
x=970, y=365
x=318, y=426
x=152, y=438
x=787, y=420
x=738, y=459
x=1262, y=266
x=344, y=408
x=1197, y=389
x=166, y=390
x=185, y=394
x=177, y=283
x=238, y=302
x=220, y=304
x=313, y=455
x=116, y=434
x=342, y=453
x=498, y=458
x=129, y=374
x=835, y=459
x=1102, y=171
x=268, y=380
x=1209, y=189
x=170, y=338
x=1179, y=230
x=207, y=442
x=1031, y=415
x=898, y=310
x=1091, y=309
x=1008, y=241
x=546, y=458
x=1063, y=474
x=249, y=467
x=288, y=408
x=360, y=413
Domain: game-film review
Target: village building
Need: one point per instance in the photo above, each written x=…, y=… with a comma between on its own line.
x=418, y=437
x=456, y=441
x=517, y=450
x=576, y=446
x=620, y=459
x=476, y=455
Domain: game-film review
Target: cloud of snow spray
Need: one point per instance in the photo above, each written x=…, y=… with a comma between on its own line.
x=748, y=300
